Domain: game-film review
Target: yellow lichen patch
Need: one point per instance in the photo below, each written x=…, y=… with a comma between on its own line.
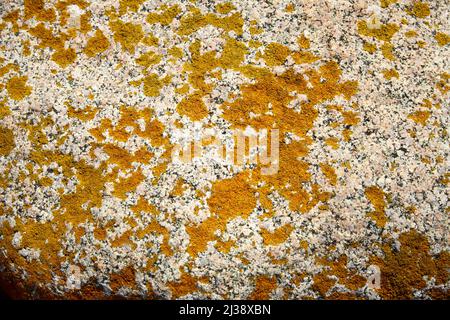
x=193, y=107
x=7, y=68
x=150, y=40
x=152, y=85
x=411, y=34
x=225, y=8
x=195, y=20
x=369, y=47
x=127, y=34
x=304, y=57
x=329, y=173
x=387, y=3
x=385, y=32
x=36, y=8
x=442, y=38
x=420, y=117
x=132, y=5
x=46, y=36
x=277, y=237
x=17, y=88
x=387, y=51
x=264, y=286
x=332, y=142
x=86, y=114
x=96, y=44
x=7, y=142
x=4, y=110
x=275, y=54
x=419, y=10
x=443, y=84
x=176, y=52
x=64, y=57
x=165, y=18
x=390, y=73
x=26, y=48
x=303, y=42
x=148, y=59
x=376, y=197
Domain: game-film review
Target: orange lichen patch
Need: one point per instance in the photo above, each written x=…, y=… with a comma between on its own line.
x=442, y=38
x=369, y=47
x=166, y=17
x=193, y=107
x=289, y=8
x=127, y=34
x=278, y=236
x=390, y=73
x=36, y=8
x=178, y=189
x=348, y=278
x=64, y=57
x=420, y=117
x=350, y=118
x=129, y=184
x=123, y=278
x=230, y=199
x=17, y=88
x=275, y=54
x=419, y=10
x=376, y=197
x=403, y=271
x=387, y=3
x=264, y=286
x=125, y=159
x=148, y=59
x=329, y=173
x=185, y=285
x=7, y=143
x=225, y=246
x=96, y=44
x=131, y=5
x=384, y=33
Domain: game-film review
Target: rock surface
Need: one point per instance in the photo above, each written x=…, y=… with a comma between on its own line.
x=96, y=97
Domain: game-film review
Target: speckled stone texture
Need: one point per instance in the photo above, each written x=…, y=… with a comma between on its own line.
x=96, y=97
